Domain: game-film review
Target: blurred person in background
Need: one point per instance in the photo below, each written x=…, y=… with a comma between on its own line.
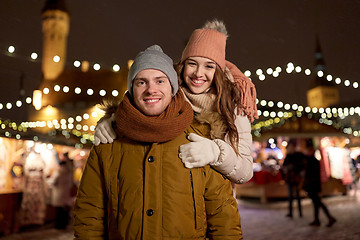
x=312, y=184
x=293, y=174
x=62, y=184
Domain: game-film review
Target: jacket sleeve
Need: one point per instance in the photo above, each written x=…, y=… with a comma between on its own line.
x=238, y=168
x=223, y=218
x=89, y=208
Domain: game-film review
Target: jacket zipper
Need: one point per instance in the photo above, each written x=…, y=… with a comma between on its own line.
x=118, y=202
x=193, y=196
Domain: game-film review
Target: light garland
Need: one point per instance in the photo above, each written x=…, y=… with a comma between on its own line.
x=8, y=126
x=275, y=116
x=290, y=68
x=329, y=111
x=298, y=69
x=323, y=118
x=35, y=57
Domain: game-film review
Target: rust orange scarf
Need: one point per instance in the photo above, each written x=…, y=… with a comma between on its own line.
x=133, y=124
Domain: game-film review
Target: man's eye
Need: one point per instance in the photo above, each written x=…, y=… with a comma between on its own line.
x=210, y=66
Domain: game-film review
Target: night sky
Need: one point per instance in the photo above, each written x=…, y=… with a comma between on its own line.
x=263, y=34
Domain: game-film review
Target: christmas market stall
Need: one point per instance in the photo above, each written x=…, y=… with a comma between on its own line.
x=269, y=151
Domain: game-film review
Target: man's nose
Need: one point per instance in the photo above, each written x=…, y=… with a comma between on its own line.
x=152, y=88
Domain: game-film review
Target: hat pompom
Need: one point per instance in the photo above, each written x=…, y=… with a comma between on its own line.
x=216, y=25
x=155, y=48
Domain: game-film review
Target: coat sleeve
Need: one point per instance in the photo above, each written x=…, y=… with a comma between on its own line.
x=90, y=204
x=238, y=168
x=223, y=218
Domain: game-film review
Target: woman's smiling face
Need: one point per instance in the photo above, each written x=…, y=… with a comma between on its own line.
x=199, y=73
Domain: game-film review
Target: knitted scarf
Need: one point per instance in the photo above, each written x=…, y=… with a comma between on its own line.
x=204, y=102
x=133, y=124
x=204, y=106
x=247, y=90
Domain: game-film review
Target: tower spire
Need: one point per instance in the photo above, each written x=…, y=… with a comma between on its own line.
x=55, y=5
x=55, y=28
x=322, y=93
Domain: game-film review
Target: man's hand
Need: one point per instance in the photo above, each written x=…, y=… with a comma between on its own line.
x=104, y=132
x=200, y=152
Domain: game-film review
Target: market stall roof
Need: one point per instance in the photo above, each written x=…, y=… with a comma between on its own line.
x=299, y=127
x=54, y=136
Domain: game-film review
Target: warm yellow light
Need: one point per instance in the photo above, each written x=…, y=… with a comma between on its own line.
x=37, y=95
x=130, y=62
x=116, y=68
x=11, y=49
x=77, y=90
x=33, y=56
x=247, y=73
x=56, y=59
x=96, y=66
x=77, y=63
x=115, y=93
x=102, y=92
x=275, y=74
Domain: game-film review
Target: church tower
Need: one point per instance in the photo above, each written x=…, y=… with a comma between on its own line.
x=55, y=28
x=322, y=93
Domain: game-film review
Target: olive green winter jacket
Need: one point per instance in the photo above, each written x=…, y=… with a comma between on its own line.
x=131, y=190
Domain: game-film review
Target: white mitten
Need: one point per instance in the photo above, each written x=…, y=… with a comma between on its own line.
x=199, y=152
x=104, y=132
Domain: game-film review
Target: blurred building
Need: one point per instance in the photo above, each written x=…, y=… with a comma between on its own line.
x=65, y=94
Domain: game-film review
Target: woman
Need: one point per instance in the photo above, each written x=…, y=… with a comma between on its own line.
x=222, y=97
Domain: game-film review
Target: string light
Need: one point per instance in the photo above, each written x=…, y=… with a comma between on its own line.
x=324, y=112
x=77, y=63
x=96, y=66
x=260, y=73
x=34, y=56
x=116, y=68
x=56, y=58
x=11, y=49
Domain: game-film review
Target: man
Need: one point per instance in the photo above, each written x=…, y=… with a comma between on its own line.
x=137, y=186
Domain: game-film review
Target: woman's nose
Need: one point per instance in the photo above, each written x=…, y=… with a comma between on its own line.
x=198, y=72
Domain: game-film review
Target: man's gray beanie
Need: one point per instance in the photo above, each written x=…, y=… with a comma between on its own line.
x=153, y=58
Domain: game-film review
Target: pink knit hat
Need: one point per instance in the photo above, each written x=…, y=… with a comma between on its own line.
x=210, y=42
x=207, y=42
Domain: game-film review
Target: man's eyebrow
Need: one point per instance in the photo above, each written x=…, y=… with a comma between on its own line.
x=159, y=77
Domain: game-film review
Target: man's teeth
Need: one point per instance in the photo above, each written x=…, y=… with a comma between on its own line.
x=152, y=100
